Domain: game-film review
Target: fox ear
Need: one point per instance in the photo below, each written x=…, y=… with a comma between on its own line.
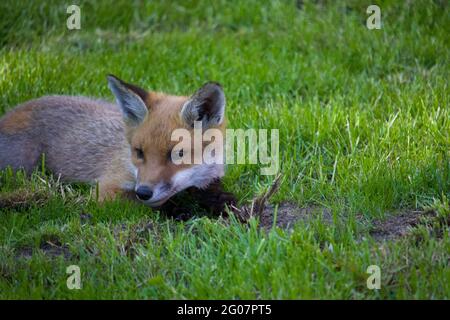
x=130, y=98
x=206, y=105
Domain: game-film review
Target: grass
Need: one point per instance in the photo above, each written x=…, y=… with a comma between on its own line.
x=364, y=124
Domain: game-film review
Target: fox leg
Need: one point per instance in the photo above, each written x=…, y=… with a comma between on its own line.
x=115, y=184
x=107, y=191
x=111, y=191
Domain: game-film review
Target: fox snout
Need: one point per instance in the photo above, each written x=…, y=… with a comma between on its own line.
x=154, y=195
x=144, y=193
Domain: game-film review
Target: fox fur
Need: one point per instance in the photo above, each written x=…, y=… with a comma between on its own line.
x=120, y=146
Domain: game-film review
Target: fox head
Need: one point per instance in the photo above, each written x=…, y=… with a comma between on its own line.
x=150, y=119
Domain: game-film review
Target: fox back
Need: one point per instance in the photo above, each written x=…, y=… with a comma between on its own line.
x=78, y=136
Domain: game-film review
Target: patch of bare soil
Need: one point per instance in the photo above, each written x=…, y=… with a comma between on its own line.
x=393, y=227
x=52, y=248
x=288, y=214
x=285, y=216
x=398, y=225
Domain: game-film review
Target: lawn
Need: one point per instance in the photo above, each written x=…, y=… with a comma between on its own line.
x=364, y=125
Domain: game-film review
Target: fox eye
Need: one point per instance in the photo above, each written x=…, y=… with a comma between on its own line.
x=139, y=153
x=179, y=153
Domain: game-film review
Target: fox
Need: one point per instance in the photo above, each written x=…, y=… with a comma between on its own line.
x=123, y=147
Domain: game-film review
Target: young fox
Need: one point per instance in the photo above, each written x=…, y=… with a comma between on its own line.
x=124, y=147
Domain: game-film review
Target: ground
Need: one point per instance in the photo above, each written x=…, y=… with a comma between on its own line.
x=364, y=150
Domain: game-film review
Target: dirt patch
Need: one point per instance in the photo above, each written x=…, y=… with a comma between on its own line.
x=398, y=225
x=51, y=248
x=288, y=214
x=285, y=215
x=393, y=227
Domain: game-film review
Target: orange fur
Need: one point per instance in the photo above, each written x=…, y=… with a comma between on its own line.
x=153, y=137
x=17, y=121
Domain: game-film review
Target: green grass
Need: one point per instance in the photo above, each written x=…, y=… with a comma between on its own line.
x=364, y=122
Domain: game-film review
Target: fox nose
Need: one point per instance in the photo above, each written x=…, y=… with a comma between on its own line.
x=144, y=193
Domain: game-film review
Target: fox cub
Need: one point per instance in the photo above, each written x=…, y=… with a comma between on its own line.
x=123, y=147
